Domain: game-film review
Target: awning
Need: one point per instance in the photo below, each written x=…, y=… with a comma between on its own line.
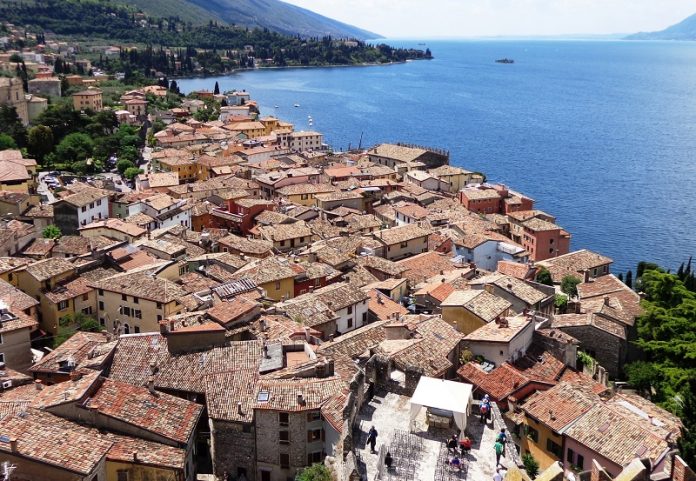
x=446, y=395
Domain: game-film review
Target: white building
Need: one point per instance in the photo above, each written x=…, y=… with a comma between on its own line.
x=486, y=253
x=302, y=141
x=501, y=341
x=348, y=303
x=80, y=209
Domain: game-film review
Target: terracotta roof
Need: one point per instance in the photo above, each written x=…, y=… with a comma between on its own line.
x=12, y=172
x=231, y=395
x=266, y=270
x=474, y=193
x=246, y=246
x=539, y=225
x=615, y=437
x=516, y=269
x=306, y=188
x=516, y=287
x=296, y=395
x=142, y=285
x=15, y=299
x=44, y=270
x=393, y=269
x=503, y=332
x=340, y=296
x=40, y=211
x=397, y=152
x=383, y=307
x=499, y=383
x=39, y=248
x=574, y=264
x=589, y=319
x=611, y=286
x=148, y=453
x=228, y=312
x=135, y=355
x=426, y=265
x=77, y=246
x=117, y=225
x=85, y=196
x=284, y=232
x=397, y=235
x=171, y=417
x=48, y=439
x=414, y=211
x=77, y=348
x=559, y=406
x=481, y=303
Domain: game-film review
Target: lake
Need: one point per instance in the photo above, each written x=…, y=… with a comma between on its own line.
x=602, y=134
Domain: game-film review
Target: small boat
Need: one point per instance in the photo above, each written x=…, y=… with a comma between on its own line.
x=505, y=60
x=297, y=105
x=277, y=107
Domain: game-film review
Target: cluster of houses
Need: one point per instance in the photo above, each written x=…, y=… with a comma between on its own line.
x=255, y=288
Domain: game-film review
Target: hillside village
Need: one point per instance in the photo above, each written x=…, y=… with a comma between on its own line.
x=253, y=303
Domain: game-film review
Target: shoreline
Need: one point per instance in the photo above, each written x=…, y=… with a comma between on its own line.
x=290, y=67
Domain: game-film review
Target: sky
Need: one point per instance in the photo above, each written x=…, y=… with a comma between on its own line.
x=485, y=18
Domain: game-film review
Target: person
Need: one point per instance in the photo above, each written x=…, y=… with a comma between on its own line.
x=503, y=471
x=388, y=460
x=484, y=412
x=497, y=476
x=225, y=476
x=499, y=448
x=452, y=444
x=502, y=436
x=456, y=463
x=465, y=445
x=372, y=438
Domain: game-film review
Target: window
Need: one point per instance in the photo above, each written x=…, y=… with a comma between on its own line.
x=87, y=310
x=580, y=462
x=10, y=277
x=313, y=416
x=183, y=269
x=121, y=475
x=284, y=437
x=284, y=461
x=101, y=292
x=350, y=322
x=136, y=300
x=84, y=208
x=136, y=329
x=404, y=245
x=126, y=311
x=532, y=434
x=283, y=419
x=313, y=435
x=282, y=243
x=124, y=297
x=313, y=458
x=126, y=329
x=85, y=297
x=159, y=305
x=364, y=318
x=554, y=448
x=159, y=317
x=62, y=305
x=571, y=456
x=102, y=321
x=246, y=428
x=137, y=314
x=277, y=285
x=101, y=305
x=99, y=202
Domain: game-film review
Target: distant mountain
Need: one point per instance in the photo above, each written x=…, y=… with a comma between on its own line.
x=271, y=14
x=684, y=30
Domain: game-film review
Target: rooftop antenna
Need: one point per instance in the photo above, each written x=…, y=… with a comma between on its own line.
x=360, y=143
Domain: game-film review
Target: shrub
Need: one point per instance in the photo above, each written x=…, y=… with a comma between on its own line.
x=531, y=465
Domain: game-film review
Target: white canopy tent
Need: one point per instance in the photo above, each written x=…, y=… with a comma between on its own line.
x=446, y=395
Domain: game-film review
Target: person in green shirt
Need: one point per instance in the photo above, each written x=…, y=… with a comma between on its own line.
x=499, y=449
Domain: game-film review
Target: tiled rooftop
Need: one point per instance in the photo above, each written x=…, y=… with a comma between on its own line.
x=484, y=305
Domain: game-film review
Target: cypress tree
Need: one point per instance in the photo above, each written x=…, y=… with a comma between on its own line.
x=629, y=279
x=216, y=91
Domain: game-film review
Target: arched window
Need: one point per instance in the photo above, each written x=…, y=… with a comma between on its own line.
x=126, y=329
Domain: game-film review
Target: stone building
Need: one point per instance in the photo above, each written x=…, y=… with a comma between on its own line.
x=12, y=95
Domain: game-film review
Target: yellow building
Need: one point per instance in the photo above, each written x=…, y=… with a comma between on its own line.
x=273, y=274
x=185, y=167
x=286, y=237
x=41, y=278
x=304, y=194
x=136, y=301
x=547, y=415
x=251, y=130
x=139, y=460
x=90, y=99
x=16, y=173
x=466, y=311
x=457, y=178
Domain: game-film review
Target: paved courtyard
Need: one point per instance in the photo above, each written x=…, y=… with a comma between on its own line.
x=419, y=453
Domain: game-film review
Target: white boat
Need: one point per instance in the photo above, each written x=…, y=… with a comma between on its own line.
x=277, y=107
x=297, y=105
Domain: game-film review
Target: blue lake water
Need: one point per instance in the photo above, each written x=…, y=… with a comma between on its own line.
x=602, y=134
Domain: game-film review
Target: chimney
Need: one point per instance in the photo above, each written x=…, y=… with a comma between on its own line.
x=135, y=456
x=38, y=384
x=151, y=385
x=551, y=415
x=239, y=408
x=300, y=399
x=263, y=325
x=606, y=300
x=13, y=445
x=153, y=368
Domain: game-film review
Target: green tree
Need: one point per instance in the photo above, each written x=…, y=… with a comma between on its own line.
x=12, y=125
x=569, y=285
x=51, y=231
x=74, y=148
x=315, y=472
x=40, y=142
x=131, y=172
x=544, y=277
x=72, y=323
x=216, y=91
x=531, y=465
x=687, y=442
x=629, y=279
x=123, y=165
x=561, y=303
x=642, y=376
x=7, y=142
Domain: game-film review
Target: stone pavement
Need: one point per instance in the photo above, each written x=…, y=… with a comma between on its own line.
x=418, y=452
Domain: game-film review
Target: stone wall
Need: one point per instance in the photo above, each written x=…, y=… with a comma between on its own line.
x=608, y=350
x=232, y=449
